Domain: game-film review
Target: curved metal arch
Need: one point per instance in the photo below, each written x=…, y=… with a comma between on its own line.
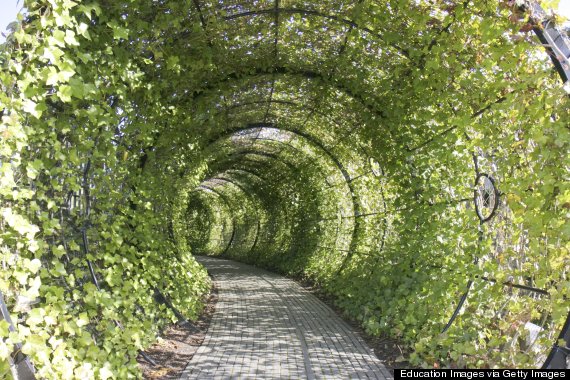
x=292, y=169
x=212, y=192
x=289, y=164
x=282, y=70
x=314, y=110
x=312, y=139
x=249, y=172
x=233, y=182
x=263, y=154
x=348, y=133
x=558, y=47
x=226, y=162
x=354, y=198
x=251, y=198
x=203, y=198
x=254, y=163
x=315, y=142
x=306, y=12
x=227, y=203
x=247, y=194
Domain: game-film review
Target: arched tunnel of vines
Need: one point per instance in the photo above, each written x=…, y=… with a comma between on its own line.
x=408, y=157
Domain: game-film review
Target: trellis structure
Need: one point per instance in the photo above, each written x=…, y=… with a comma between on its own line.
x=410, y=157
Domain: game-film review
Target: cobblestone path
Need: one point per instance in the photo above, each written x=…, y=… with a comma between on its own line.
x=268, y=327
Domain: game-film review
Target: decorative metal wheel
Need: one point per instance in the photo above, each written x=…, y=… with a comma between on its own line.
x=486, y=197
x=375, y=167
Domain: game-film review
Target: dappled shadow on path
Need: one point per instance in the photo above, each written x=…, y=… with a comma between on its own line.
x=267, y=326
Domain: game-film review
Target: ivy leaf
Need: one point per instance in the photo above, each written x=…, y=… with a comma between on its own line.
x=70, y=38
x=78, y=88
x=34, y=265
x=105, y=373
x=4, y=329
x=64, y=93
x=118, y=31
x=52, y=54
x=83, y=29
x=57, y=38
x=32, y=108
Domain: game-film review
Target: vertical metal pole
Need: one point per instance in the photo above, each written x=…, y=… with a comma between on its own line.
x=20, y=365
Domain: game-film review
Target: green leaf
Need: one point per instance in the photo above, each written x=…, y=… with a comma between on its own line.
x=34, y=265
x=32, y=108
x=118, y=31
x=64, y=93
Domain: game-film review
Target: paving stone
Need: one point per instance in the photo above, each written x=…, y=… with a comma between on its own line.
x=268, y=327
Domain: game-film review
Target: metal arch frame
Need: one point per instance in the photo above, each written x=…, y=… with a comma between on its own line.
x=272, y=156
x=307, y=137
x=296, y=131
x=276, y=10
x=282, y=70
x=247, y=171
x=350, y=251
x=251, y=199
x=306, y=12
x=226, y=164
x=264, y=180
x=204, y=203
x=248, y=159
x=554, y=41
x=354, y=198
x=240, y=187
x=292, y=168
x=250, y=173
x=497, y=198
x=541, y=35
x=227, y=202
x=20, y=365
x=316, y=143
x=231, y=210
x=298, y=105
x=558, y=47
x=340, y=166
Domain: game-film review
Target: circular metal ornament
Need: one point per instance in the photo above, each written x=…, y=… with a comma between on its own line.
x=375, y=167
x=486, y=197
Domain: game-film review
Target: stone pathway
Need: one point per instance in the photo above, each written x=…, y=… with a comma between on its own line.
x=268, y=327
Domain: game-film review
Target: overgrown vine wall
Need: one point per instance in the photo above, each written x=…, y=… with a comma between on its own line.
x=338, y=141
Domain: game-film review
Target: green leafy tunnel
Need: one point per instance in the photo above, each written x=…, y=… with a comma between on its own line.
x=408, y=157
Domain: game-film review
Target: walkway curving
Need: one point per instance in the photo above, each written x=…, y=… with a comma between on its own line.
x=268, y=327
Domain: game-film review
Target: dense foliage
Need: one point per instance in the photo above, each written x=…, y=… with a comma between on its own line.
x=74, y=158
x=337, y=140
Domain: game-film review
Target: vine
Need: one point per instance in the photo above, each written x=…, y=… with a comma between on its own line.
x=135, y=134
